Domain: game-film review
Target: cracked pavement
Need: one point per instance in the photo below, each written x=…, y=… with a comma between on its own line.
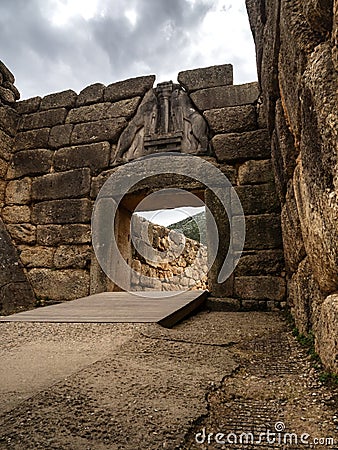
x=141, y=386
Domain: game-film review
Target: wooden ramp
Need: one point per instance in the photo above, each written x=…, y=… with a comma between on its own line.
x=118, y=307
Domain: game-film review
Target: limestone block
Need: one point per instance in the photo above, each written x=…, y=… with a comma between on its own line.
x=102, y=111
x=16, y=297
x=60, y=135
x=220, y=97
x=318, y=14
x=72, y=256
x=37, y=256
x=6, y=146
x=31, y=139
x=42, y=119
x=235, y=119
x=256, y=199
x=207, y=77
x=64, y=99
x=6, y=95
x=238, y=146
x=18, y=192
x=30, y=162
x=74, y=183
x=264, y=262
x=263, y=232
x=255, y=172
x=292, y=234
x=95, y=156
x=305, y=298
x=91, y=94
x=6, y=73
x=128, y=88
x=16, y=214
x=23, y=233
x=326, y=337
x=28, y=106
x=9, y=120
x=105, y=130
x=318, y=214
x=3, y=168
x=62, y=211
x=260, y=288
x=59, y=284
x=63, y=234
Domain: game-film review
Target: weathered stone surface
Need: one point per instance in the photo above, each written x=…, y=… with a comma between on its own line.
x=207, y=77
x=283, y=152
x=37, y=256
x=258, y=199
x=60, y=135
x=257, y=18
x=59, y=284
x=220, y=97
x=11, y=270
x=91, y=94
x=292, y=233
x=264, y=262
x=6, y=95
x=326, y=339
x=223, y=304
x=128, y=88
x=255, y=172
x=235, y=119
x=75, y=256
x=18, y=192
x=9, y=119
x=239, y=146
x=6, y=145
x=319, y=14
x=64, y=99
x=31, y=139
x=6, y=73
x=16, y=214
x=2, y=192
x=23, y=233
x=260, y=288
x=43, y=119
x=318, y=214
x=16, y=297
x=28, y=106
x=102, y=111
x=62, y=211
x=305, y=298
x=166, y=120
x=30, y=162
x=95, y=156
x=105, y=130
x=3, y=168
x=71, y=184
x=262, y=232
x=63, y=234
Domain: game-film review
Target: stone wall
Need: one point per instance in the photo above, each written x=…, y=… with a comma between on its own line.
x=296, y=43
x=66, y=145
x=15, y=291
x=185, y=265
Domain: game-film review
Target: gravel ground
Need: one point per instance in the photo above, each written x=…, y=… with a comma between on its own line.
x=140, y=386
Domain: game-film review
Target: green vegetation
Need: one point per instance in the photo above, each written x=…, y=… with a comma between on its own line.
x=193, y=227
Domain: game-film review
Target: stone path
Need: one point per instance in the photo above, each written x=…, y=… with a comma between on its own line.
x=132, y=386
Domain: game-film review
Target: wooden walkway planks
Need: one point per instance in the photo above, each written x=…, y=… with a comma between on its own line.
x=117, y=307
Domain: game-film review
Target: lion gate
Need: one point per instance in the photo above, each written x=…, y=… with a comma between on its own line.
x=58, y=151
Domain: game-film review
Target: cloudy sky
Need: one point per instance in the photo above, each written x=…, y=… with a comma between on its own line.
x=53, y=45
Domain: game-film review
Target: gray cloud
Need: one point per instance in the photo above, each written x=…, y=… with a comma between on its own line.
x=167, y=36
